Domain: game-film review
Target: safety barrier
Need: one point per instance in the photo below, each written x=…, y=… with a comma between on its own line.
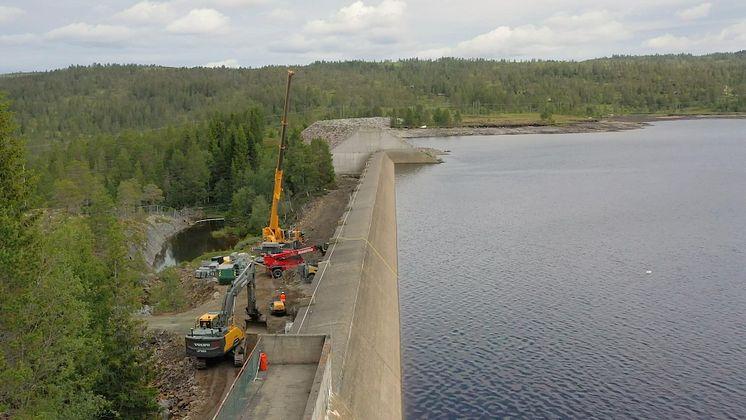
x=235, y=402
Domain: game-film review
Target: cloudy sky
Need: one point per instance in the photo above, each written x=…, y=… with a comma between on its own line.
x=40, y=35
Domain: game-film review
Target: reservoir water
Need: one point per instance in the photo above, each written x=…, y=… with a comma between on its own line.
x=577, y=275
x=191, y=243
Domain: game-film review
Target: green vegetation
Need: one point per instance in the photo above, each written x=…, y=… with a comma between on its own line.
x=167, y=295
x=224, y=163
x=69, y=346
x=63, y=104
x=106, y=140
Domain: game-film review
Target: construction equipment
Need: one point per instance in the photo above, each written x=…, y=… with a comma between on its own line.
x=273, y=235
x=215, y=333
x=288, y=259
x=277, y=306
x=307, y=272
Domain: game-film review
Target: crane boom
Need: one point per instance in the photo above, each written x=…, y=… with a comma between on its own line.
x=273, y=232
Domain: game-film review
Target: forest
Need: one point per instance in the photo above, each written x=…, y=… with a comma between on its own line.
x=71, y=348
x=86, y=147
x=90, y=100
x=225, y=164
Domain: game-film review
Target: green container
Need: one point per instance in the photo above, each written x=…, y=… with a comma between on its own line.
x=226, y=273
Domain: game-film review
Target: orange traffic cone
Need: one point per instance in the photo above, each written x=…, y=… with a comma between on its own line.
x=263, y=362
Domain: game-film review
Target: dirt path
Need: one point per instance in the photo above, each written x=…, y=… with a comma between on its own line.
x=181, y=322
x=216, y=380
x=319, y=220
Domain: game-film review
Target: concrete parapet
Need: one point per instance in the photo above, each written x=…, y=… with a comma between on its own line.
x=356, y=300
x=296, y=385
x=349, y=156
x=411, y=156
x=318, y=398
x=292, y=349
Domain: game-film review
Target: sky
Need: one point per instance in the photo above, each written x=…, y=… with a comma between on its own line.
x=41, y=35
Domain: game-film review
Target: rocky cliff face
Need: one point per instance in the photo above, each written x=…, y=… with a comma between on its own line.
x=148, y=234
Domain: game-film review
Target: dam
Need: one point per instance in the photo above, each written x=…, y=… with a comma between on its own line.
x=354, y=304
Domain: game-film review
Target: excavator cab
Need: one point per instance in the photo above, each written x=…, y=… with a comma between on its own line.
x=209, y=320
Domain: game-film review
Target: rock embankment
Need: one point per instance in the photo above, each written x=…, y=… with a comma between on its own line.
x=337, y=131
x=179, y=393
x=158, y=229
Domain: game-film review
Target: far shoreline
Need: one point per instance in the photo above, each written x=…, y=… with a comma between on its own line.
x=611, y=124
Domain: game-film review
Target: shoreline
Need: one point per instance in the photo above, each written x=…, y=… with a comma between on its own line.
x=612, y=124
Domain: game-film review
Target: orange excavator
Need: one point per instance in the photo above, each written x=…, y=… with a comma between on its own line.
x=275, y=238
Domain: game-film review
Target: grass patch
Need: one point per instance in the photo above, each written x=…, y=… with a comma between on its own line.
x=247, y=243
x=516, y=119
x=168, y=295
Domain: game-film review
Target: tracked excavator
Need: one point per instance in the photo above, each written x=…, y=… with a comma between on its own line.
x=275, y=239
x=216, y=334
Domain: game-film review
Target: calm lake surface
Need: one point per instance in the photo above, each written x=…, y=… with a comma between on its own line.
x=191, y=243
x=523, y=275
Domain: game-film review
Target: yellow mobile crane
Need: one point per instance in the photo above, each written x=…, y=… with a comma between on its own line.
x=274, y=235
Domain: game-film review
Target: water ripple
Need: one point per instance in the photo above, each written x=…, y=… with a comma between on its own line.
x=524, y=290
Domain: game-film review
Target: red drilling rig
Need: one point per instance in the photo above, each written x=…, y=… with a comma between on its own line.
x=286, y=260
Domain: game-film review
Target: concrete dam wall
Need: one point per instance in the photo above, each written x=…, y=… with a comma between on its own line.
x=356, y=300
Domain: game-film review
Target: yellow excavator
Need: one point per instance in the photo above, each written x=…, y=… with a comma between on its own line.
x=273, y=235
x=216, y=334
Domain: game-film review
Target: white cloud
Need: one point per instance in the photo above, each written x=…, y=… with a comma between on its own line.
x=668, y=42
x=239, y=3
x=90, y=34
x=358, y=17
x=147, y=12
x=295, y=44
x=19, y=39
x=731, y=38
x=354, y=30
x=281, y=14
x=8, y=13
x=557, y=34
x=229, y=62
x=696, y=12
x=200, y=21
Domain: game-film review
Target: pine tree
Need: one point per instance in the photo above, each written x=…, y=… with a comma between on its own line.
x=125, y=373
x=46, y=349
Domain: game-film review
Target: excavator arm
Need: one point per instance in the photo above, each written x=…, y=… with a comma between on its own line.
x=230, y=297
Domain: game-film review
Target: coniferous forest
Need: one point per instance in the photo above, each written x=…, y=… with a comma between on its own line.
x=83, y=148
